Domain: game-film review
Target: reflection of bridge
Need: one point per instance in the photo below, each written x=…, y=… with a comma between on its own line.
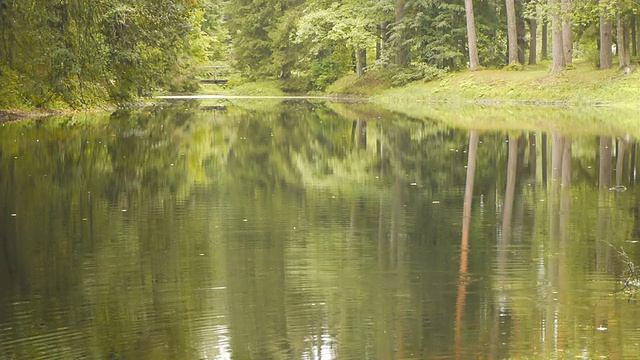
x=217, y=72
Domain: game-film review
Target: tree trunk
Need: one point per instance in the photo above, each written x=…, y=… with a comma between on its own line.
x=382, y=39
x=634, y=39
x=402, y=53
x=521, y=32
x=557, y=47
x=625, y=39
x=512, y=32
x=361, y=58
x=606, y=39
x=474, y=62
x=512, y=166
x=567, y=42
x=544, y=52
x=621, y=46
x=533, y=40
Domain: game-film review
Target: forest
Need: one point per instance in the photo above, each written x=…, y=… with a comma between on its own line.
x=81, y=54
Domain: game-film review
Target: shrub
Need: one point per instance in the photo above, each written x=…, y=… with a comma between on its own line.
x=415, y=72
x=514, y=67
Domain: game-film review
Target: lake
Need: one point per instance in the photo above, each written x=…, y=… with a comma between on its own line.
x=309, y=229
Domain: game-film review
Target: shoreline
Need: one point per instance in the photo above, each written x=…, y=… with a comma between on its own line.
x=13, y=115
x=581, y=87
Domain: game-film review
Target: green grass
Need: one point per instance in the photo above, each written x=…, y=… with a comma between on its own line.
x=370, y=84
x=534, y=85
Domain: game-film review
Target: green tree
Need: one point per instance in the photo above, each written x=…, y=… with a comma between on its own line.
x=75, y=53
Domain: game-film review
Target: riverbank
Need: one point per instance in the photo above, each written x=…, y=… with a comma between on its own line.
x=10, y=115
x=581, y=86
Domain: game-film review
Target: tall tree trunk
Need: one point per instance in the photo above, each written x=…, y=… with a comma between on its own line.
x=557, y=46
x=533, y=41
x=634, y=39
x=402, y=53
x=521, y=32
x=621, y=47
x=382, y=39
x=544, y=51
x=625, y=39
x=567, y=42
x=361, y=61
x=512, y=32
x=474, y=62
x=606, y=40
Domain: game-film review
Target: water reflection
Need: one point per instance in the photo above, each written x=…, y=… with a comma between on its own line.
x=312, y=231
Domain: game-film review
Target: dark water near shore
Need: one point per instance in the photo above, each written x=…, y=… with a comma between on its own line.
x=305, y=230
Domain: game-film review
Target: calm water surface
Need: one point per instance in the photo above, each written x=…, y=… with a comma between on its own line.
x=305, y=230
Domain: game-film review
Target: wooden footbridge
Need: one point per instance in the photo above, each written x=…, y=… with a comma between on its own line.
x=217, y=72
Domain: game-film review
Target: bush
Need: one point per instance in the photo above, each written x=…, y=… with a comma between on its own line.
x=297, y=85
x=10, y=95
x=415, y=72
x=514, y=67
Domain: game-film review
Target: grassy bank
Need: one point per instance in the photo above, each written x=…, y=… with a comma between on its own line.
x=580, y=86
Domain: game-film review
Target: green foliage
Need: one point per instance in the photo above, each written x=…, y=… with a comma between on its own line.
x=79, y=54
x=325, y=70
x=415, y=72
x=436, y=30
x=514, y=67
x=297, y=85
x=261, y=36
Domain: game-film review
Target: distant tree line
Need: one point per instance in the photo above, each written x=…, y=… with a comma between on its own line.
x=77, y=52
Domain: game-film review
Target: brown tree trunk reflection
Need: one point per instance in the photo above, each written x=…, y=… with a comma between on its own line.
x=604, y=174
x=359, y=134
x=623, y=147
x=512, y=167
x=603, y=250
x=544, y=159
x=464, y=245
x=532, y=156
x=556, y=159
x=632, y=167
